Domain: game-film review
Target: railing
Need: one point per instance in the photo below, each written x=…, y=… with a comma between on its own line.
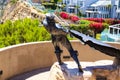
x=112, y=35
x=114, y=29
x=115, y=26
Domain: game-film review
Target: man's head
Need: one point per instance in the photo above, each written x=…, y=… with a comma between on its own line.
x=50, y=17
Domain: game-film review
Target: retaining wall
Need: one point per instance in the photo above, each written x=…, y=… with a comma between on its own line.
x=21, y=58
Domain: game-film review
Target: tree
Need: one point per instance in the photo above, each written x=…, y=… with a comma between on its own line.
x=56, y=1
x=13, y=1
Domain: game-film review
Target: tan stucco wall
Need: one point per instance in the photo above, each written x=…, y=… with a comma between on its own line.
x=21, y=58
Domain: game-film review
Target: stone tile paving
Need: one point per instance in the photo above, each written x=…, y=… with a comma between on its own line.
x=38, y=74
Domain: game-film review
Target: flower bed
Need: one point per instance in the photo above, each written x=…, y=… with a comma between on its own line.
x=95, y=19
x=98, y=27
x=74, y=18
x=65, y=15
x=109, y=21
x=112, y=21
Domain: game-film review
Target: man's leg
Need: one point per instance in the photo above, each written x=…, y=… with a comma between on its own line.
x=58, y=51
x=74, y=55
x=65, y=42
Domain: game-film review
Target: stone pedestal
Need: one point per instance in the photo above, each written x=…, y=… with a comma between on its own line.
x=104, y=70
x=99, y=70
x=67, y=71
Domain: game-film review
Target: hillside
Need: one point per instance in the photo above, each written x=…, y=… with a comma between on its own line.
x=20, y=10
x=23, y=9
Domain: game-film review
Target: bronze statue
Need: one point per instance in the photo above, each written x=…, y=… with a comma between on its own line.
x=58, y=35
x=98, y=45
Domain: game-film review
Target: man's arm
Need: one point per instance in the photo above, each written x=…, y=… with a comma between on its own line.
x=61, y=29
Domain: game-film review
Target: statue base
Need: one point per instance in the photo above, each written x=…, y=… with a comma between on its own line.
x=99, y=70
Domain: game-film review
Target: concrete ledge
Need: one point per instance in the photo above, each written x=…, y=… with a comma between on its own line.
x=25, y=57
x=102, y=69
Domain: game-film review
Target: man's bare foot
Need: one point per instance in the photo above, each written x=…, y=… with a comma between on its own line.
x=80, y=70
x=61, y=63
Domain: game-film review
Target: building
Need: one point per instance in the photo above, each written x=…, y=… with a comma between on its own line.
x=72, y=6
x=104, y=9
x=118, y=10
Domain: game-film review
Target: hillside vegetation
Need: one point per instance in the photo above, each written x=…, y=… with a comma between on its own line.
x=22, y=31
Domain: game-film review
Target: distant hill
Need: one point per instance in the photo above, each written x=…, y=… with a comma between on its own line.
x=23, y=9
x=20, y=10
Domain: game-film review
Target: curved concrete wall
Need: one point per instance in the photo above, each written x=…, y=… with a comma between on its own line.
x=21, y=58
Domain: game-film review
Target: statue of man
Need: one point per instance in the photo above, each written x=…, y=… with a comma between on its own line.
x=58, y=34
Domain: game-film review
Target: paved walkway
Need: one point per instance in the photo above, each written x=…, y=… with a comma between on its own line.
x=43, y=74
x=39, y=74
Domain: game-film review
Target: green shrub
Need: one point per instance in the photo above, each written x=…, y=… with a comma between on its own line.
x=13, y=1
x=22, y=31
x=105, y=25
x=82, y=26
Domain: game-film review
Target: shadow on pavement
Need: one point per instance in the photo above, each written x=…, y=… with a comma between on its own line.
x=29, y=74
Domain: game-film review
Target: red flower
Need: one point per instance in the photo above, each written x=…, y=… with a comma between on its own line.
x=95, y=19
x=74, y=18
x=64, y=15
x=109, y=21
x=118, y=21
x=98, y=27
